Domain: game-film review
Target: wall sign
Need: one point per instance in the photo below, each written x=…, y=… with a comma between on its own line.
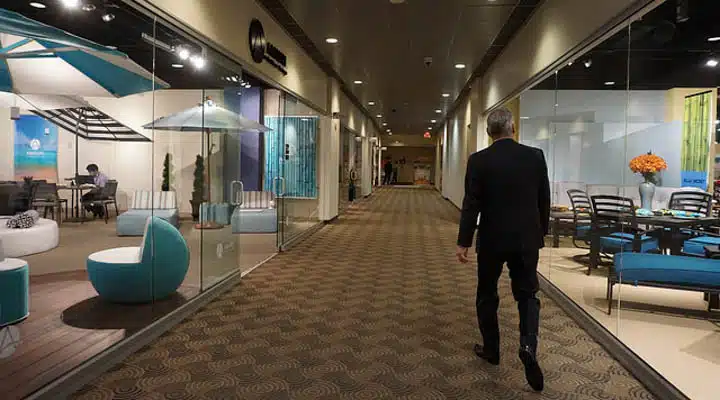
x=36, y=146
x=262, y=50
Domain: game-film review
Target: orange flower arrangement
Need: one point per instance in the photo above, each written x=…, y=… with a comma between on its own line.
x=648, y=165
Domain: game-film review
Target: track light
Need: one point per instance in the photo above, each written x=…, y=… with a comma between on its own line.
x=198, y=62
x=712, y=63
x=71, y=3
x=107, y=17
x=588, y=63
x=183, y=53
x=89, y=7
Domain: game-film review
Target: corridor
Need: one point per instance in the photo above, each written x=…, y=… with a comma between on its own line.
x=372, y=306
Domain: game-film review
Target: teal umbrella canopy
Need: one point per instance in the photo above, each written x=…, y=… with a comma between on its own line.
x=40, y=59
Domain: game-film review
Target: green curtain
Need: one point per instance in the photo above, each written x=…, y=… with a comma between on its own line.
x=696, y=128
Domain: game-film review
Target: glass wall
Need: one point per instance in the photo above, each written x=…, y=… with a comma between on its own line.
x=628, y=129
x=131, y=180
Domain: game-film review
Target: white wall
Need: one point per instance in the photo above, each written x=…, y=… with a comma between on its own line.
x=592, y=142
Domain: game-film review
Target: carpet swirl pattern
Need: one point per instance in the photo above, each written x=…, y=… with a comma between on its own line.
x=373, y=306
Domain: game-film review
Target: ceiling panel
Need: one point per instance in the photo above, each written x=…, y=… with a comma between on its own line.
x=384, y=46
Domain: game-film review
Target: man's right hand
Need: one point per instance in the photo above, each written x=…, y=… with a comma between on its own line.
x=462, y=254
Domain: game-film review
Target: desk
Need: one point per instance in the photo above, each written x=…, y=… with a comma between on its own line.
x=76, y=193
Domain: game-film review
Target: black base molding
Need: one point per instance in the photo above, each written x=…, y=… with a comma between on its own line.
x=660, y=387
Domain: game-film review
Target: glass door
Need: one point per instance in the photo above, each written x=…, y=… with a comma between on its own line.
x=274, y=153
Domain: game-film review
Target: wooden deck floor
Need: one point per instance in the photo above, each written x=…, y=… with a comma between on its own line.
x=69, y=324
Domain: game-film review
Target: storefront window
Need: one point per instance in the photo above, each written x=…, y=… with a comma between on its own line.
x=131, y=180
x=628, y=129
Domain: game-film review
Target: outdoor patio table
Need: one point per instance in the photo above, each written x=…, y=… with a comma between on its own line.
x=76, y=200
x=556, y=217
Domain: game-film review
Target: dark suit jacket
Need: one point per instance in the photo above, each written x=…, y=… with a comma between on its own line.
x=507, y=184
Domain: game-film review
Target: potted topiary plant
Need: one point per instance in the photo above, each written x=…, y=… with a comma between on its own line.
x=166, y=173
x=198, y=193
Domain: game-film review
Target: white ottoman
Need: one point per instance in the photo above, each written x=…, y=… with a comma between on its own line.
x=42, y=237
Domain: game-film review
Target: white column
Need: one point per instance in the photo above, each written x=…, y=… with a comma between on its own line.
x=366, y=168
x=329, y=159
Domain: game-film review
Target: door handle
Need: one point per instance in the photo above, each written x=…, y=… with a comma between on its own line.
x=237, y=195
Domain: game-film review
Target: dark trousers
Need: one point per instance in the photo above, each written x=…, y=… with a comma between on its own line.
x=387, y=179
x=90, y=197
x=524, y=283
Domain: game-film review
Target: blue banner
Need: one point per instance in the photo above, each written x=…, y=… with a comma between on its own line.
x=36, y=146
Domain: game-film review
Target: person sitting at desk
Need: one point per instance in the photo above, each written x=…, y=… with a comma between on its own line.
x=97, y=193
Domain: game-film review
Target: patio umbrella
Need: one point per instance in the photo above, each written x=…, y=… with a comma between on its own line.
x=40, y=59
x=207, y=117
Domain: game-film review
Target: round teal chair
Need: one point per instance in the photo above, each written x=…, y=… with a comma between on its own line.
x=153, y=271
x=14, y=290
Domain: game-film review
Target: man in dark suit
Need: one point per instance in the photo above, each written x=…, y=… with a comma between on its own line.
x=507, y=185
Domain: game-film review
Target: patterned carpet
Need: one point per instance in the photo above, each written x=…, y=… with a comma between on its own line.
x=371, y=307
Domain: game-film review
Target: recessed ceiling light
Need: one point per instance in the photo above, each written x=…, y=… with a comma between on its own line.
x=88, y=7
x=588, y=63
x=37, y=4
x=384, y=124
x=432, y=121
x=371, y=103
x=609, y=83
x=714, y=39
x=712, y=63
x=438, y=111
x=460, y=66
x=358, y=82
x=177, y=66
x=71, y=3
x=198, y=62
x=446, y=94
x=107, y=17
x=183, y=53
x=331, y=40
x=379, y=115
x=387, y=130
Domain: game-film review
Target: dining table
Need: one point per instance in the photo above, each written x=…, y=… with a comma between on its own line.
x=76, y=193
x=668, y=226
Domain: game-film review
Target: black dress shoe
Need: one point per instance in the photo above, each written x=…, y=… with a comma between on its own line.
x=533, y=373
x=493, y=357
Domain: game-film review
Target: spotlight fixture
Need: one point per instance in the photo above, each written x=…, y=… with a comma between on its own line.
x=712, y=63
x=331, y=40
x=609, y=83
x=446, y=95
x=432, y=121
x=177, y=65
x=234, y=78
x=37, y=4
x=387, y=130
x=588, y=63
x=358, y=82
x=714, y=39
x=460, y=66
x=371, y=103
x=438, y=111
x=88, y=7
x=570, y=64
x=183, y=53
x=379, y=115
x=71, y=3
x=198, y=62
x=107, y=17
x=384, y=124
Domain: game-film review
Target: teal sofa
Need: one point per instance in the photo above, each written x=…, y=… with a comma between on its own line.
x=150, y=272
x=146, y=204
x=665, y=271
x=256, y=213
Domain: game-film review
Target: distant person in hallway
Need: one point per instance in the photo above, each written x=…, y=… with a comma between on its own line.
x=97, y=193
x=388, y=168
x=507, y=185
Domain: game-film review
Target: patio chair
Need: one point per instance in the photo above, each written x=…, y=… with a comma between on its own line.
x=582, y=218
x=615, y=222
x=695, y=202
x=45, y=195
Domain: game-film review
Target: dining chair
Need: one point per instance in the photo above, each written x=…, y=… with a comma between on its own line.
x=45, y=195
x=110, y=197
x=697, y=202
x=582, y=217
x=616, y=226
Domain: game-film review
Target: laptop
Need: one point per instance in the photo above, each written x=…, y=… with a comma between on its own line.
x=84, y=180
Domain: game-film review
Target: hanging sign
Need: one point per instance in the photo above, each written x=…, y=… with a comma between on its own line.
x=262, y=50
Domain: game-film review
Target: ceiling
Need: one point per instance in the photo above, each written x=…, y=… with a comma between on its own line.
x=658, y=51
x=384, y=45
x=125, y=32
